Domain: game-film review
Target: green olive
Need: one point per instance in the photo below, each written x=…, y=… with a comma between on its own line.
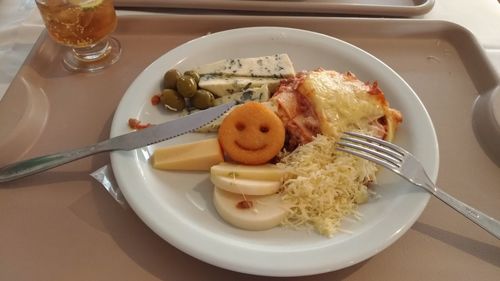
x=202, y=99
x=186, y=86
x=172, y=100
x=193, y=74
x=170, y=79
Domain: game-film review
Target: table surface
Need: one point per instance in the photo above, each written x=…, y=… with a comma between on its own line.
x=20, y=26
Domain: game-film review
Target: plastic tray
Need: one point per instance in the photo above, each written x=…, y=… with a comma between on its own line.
x=393, y=8
x=62, y=225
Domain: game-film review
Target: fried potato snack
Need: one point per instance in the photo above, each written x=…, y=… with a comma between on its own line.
x=252, y=134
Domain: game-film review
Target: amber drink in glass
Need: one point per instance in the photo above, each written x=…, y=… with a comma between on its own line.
x=84, y=26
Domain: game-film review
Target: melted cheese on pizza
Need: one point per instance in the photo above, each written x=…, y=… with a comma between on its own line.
x=330, y=103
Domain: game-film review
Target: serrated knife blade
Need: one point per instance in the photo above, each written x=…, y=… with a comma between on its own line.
x=170, y=129
x=133, y=140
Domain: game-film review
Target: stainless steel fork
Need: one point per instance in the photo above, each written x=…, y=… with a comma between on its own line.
x=407, y=166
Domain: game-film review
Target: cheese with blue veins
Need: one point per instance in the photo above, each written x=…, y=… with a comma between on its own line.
x=227, y=85
x=259, y=95
x=274, y=66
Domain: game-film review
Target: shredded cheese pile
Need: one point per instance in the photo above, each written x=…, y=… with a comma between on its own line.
x=328, y=186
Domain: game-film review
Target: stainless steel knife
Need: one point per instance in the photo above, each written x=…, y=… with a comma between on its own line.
x=133, y=140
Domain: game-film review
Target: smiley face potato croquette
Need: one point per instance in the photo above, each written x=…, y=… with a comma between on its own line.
x=251, y=134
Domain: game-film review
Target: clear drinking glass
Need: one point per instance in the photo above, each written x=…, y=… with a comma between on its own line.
x=84, y=26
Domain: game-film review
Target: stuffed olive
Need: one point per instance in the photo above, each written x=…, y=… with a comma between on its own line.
x=186, y=86
x=170, y=79
x=193, y=74
x=172, y=100
x=202, y=99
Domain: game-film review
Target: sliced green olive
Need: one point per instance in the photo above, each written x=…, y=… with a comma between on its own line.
x=172, y=100
x=186, y=86
x=202, y=99
x=193, y=74
x=170, y=79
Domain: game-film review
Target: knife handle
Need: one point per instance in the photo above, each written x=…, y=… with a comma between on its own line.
x=39, y=164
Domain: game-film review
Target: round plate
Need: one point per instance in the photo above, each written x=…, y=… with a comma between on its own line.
x=178, y=205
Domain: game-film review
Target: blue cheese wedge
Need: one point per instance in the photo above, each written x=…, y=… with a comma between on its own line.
x=259, y=95
x=213, y=126
x=227, y=85
x=275, y=66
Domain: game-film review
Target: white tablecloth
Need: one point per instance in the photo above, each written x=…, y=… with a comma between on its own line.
x=20, y=25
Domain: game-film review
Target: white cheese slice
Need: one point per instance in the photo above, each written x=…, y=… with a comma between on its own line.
x=245, y=186
x=249, y=212
x=275, y=66
x=267, y=172
x=227, y=85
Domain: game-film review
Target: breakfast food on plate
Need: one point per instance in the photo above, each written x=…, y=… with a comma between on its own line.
x=226, y=85
x=245, y=186
x=316, y=108
x=205, y=85
x=180, y=90
x=275, y=66
x=195, y=156
x=249, y=212
x=328, y=185
x=251, y=134
x=331, y=103
x=261, y=94
x=136, y=124
x=172, y=100
x=257, y=172
x=202, y=99
x=248, y=196
x=292, y=120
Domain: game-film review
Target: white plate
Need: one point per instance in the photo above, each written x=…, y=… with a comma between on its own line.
x=178, y=206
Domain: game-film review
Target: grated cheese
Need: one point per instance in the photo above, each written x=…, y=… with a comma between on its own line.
x=328, y=186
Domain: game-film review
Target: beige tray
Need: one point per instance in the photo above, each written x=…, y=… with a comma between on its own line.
x=62, y=225
x=393, y=8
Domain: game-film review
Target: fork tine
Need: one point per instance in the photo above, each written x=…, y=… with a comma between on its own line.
x=394, y=147
x=368, y=157
x=379, y=147
x=413, y=171
x=371, y=152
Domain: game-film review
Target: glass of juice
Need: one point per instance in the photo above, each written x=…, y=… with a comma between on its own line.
x=85, y=27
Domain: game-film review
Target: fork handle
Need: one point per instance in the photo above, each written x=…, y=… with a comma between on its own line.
x=483, y=220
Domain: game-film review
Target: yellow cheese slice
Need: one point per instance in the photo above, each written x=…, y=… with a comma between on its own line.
x=195, y=156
